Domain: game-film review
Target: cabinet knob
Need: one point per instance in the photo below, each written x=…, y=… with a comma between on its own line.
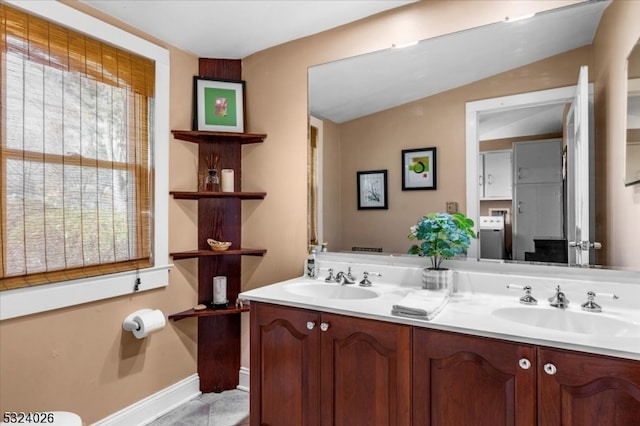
x=324, y=326
x=550, y=369
x=524, y=363
x=310, y=325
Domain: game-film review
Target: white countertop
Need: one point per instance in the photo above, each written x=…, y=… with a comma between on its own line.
x=470, y=311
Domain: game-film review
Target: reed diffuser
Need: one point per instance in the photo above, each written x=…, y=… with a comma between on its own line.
x=211, y=179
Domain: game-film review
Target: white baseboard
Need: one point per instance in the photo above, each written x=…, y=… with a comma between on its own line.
x=243, y=379
x=150, y=408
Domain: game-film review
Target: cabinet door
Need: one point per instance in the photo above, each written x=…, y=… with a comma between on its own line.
x=537, y=214
x=497, y=175
x=285, y=348
x=537, y=161
x=587, y=390
x=365, y=372
x=463, y=380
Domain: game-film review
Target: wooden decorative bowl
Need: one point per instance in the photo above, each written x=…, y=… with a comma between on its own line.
x=218, y=245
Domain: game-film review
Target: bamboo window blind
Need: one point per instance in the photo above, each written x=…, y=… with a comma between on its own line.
x=75, y=165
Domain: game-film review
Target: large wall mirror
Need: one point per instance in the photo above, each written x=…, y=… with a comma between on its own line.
x=370, y=108
x=632, y=160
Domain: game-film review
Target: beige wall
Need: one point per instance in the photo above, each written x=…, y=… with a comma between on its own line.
x=617, y=33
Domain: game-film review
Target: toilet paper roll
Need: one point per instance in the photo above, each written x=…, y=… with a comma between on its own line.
x=227, y=180
x=144, y=321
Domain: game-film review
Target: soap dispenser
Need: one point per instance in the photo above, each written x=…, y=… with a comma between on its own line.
x=311, y=262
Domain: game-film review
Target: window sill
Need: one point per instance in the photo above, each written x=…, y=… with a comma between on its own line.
x=42, y=298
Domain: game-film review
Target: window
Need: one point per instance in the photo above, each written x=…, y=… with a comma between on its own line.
x=75, y=154
x=79, y=121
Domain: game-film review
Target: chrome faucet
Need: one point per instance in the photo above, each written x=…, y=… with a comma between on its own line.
x=559, y=300
x=591, y=306
x=330, y=278
x=365, y=278
x=344, y=279
x=527, y=299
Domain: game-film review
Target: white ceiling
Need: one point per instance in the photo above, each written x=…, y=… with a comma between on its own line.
x=236, y=29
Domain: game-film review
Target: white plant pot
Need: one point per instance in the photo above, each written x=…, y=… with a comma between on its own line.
x=437, y=279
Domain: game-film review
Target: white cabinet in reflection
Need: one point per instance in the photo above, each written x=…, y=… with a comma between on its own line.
x=495, y=175
x=538, y=194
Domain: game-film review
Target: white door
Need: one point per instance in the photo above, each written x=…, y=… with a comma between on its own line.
x=538, y=202
x=578, y=183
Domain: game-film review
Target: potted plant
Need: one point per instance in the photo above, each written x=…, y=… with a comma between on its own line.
x=441, y=236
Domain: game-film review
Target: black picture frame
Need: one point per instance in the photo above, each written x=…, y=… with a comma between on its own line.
x=419, y=169
x=372, y=190
x=218, y=105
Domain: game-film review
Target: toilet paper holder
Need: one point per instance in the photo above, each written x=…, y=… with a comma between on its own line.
x=143, y=322
x=129, y=324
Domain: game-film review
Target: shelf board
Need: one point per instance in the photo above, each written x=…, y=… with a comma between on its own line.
x=209, y=137
x=208, y=312
x=196, y=195
x=202, y=253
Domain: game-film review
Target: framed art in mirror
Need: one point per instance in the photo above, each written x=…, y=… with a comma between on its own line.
x=419, y=169
x=218, y=105
x=372, y=190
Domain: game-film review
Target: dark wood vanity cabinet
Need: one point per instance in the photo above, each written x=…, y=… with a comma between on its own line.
x=587, y=390
x=466, y=380
x=311, y=368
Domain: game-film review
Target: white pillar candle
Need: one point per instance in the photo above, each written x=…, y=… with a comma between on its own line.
x=227, y=180
x=219, y=290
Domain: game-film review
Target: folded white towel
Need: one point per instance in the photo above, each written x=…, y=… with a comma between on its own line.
x=421, y=304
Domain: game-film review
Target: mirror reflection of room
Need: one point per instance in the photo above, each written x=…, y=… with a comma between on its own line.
x=437, y=119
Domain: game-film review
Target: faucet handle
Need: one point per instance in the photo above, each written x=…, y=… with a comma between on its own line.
x=591, y=306
x=350, y=275
x=365, y=280
x=611, y=295
x=527, y=299
x=330, y=278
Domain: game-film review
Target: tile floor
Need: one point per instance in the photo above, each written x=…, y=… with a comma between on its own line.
x=229, y=408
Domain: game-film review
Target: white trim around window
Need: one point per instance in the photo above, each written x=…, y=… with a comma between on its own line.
x=30, y=300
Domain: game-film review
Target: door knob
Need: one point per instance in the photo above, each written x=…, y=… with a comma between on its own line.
x=310, y=325
x=324, y=326
x=550, y=369
x=585, y=245
x=524, y=363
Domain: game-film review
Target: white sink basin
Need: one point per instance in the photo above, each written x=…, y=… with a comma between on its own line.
x=330, y=291
x=570, y=321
